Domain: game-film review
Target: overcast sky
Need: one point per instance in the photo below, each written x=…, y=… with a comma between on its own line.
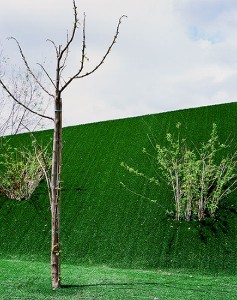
x=170, y=54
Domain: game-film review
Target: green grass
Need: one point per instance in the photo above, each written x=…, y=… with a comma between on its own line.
x=103, y=223
x=31, y=280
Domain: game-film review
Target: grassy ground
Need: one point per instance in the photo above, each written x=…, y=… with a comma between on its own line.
x=31, y=280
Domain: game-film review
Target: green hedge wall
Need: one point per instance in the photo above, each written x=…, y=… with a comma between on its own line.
x=103, y=223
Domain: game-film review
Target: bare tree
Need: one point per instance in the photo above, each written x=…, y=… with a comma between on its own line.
x=59, y=85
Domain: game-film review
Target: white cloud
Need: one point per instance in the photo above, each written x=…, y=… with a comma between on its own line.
x=170, y=54
x=207, y=19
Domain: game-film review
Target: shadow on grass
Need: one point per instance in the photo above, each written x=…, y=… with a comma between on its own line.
x=66, y=286
x=169, y=285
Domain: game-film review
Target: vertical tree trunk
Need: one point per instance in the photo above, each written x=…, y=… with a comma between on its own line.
x=55, y=193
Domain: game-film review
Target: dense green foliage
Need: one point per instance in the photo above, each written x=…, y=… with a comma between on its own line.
x=31, y=281
x=103, y=223
x=198, y=180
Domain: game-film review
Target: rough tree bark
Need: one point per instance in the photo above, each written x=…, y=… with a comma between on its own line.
x=55, y=193
x=59, y=85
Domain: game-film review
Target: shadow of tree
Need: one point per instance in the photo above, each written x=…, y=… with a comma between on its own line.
x=66, y=286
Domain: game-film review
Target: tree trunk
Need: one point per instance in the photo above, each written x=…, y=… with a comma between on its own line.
x=55, y=193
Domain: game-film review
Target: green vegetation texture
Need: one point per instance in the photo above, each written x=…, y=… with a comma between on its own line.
x=104, y=223
x=31, y=280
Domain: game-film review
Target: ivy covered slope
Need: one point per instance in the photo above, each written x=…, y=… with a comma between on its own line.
x=106, y=222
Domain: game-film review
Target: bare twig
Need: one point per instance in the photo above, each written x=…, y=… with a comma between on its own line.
x=28, y=67
x=17, y=101
x=47, y=74
x=55, y=47
x=83, y=45
x=77, y=75
x=76, y=21
x=63, y=64
x=108, y=51
x=140, y=195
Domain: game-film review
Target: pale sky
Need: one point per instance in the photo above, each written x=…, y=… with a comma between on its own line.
x=170, y=54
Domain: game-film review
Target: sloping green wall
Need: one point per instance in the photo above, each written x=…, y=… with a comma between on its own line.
x=103, y=223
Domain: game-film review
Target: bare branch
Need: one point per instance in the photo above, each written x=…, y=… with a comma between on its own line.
x=108, y=51
x=76, y=21
x=21, y=121
x=17, y=101
x=63, y=64
x=77, y=75
x=29, y=69
x=140, y=195
x=83, y=45
x=47, y=74
x=55, y=47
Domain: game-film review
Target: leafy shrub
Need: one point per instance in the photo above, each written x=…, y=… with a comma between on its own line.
x=21, y=169
x=198, y=181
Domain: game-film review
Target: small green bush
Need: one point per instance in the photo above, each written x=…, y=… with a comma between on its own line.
x=198, y=181
x=21, y=169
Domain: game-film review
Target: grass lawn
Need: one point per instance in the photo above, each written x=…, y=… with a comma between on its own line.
x=31, y=280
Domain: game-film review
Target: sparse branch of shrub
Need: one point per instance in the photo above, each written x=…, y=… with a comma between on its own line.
x=140, y=195
x=137, y=173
